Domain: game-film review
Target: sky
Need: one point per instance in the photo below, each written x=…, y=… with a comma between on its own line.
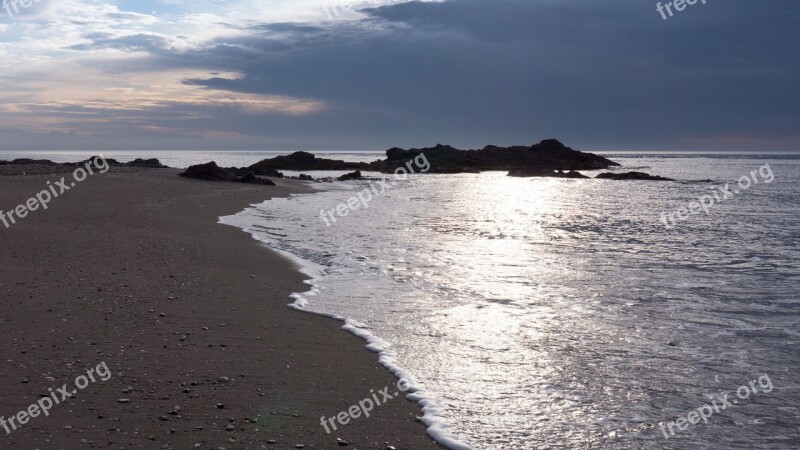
x=599, y=75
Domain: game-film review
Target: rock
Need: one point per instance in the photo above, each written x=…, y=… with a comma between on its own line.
x=124, y=400
x=342, y=442
x=546, y=173
x=91, y=160
x=138, y=162
x=549, y=158
x=220, y=406
x=351, y=176
x=632, y=176
x=149, y=163
x=303, y=161
x=547, y=155
x=211, y=172
x=41, y=162
x=251, y=177
x=258, y=171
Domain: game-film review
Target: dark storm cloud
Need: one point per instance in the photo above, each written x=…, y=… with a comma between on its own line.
x=602, y=74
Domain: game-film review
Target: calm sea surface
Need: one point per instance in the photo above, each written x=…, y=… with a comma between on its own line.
x=544, y=313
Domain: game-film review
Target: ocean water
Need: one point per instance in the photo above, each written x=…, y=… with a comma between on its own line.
x=545, y=313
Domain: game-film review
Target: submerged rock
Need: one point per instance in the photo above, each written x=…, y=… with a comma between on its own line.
x=545, y=173
x=632, y=176
x=351, y=176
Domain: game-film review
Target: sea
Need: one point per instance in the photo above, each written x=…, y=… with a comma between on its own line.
x=532, y=313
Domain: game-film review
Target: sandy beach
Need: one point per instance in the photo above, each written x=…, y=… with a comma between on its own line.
x=131, y=269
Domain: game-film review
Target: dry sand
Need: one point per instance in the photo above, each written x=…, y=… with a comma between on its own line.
x=130, y=268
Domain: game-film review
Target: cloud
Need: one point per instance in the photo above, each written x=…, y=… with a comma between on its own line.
x=597, y=75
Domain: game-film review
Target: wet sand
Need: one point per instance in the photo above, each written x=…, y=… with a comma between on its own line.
x=131, y=269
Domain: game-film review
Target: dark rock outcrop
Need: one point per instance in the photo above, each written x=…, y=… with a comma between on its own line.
x=39, y=162
x=351, y=176
x=545, y=173
x=209, y=172
x=110, y=161
x=149, y=163
x=267, y=172
x=306, y=161
x=138, y=162
x=242, y=171
x=251, y=177
x=212, y=172
x=632, y=176
x=547, y=155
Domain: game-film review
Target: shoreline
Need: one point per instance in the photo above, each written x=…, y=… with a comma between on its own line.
x=437, y=427
x=132, y=269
